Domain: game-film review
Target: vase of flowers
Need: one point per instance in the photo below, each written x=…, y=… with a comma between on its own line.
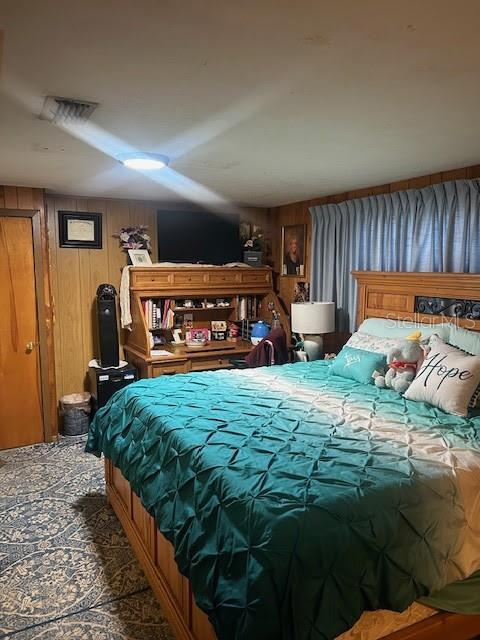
x=135, y=237
x=253, y=248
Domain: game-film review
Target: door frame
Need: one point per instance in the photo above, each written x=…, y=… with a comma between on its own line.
x=44, y=318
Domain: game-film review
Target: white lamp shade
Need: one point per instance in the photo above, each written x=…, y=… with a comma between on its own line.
x=313, y=317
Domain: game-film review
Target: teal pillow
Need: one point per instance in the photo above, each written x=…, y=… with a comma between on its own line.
x=384, y=328
x=359, y=365
x=465, y=340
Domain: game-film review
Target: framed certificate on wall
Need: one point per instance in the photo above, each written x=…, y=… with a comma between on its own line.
x=80, y=229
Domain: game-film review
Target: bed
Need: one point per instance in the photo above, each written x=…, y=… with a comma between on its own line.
x=296, y=500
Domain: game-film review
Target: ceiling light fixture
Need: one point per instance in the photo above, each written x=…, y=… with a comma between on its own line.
x=143, y=161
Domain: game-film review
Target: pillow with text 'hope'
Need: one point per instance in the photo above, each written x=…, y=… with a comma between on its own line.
x=447, y=379
x=357, y=364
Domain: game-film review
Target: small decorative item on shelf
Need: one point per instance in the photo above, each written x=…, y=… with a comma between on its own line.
x=253, y=248
x=219, y=330
x=156, y=341
x=139, y=257
x=233, y=331
x=177, y=337
x=197, y=338
x=260, y=330
x=276, y=323
x=135, y=237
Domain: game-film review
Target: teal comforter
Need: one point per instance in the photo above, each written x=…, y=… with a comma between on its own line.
x=296, y=499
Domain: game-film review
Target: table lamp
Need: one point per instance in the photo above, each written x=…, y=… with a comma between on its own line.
x=311, y=320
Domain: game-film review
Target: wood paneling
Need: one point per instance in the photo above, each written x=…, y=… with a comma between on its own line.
x=297, y=213
x=201, y=626
x=32, y=199
x=1, y=49
x=165, y=561
x=383, y=300
x=76, y=274
x=144, y=523
x=122, y=488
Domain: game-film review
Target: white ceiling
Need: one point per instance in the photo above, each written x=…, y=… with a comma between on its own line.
x=257, y=102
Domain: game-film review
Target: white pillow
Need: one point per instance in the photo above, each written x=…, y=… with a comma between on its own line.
x=464, y=339
x=368, y=342
x=447, y=378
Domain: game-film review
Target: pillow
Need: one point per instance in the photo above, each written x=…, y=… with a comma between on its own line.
x=447, y=379
x=367, y=342
x=357, y=364
x=384, y=328
x=458, y=337
x=464, y=339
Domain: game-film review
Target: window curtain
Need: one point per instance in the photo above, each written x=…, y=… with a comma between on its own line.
x=432, y=229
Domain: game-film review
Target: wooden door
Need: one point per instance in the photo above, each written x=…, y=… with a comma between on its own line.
x=21, y=420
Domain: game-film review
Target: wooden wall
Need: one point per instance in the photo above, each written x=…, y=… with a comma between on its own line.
x=1, y=48
x=76, y=274
x=33, y=199
x=22, y=198
x=297, y=213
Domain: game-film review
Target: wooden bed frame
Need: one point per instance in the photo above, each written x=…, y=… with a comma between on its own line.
x=419, y=297
x=401, y=296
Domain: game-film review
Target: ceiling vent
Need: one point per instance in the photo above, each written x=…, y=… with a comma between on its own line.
x=65, y=111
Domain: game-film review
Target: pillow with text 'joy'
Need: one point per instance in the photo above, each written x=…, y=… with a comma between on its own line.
x=357, y=364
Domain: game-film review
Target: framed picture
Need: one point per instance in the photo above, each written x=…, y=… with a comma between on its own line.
x=80, y=229
x=140, y=257
x=198, y=335
x=293, y=250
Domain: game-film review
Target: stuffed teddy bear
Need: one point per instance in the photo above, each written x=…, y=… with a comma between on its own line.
x=402, y=362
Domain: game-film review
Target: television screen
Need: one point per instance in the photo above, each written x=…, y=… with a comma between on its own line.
x=198, y=236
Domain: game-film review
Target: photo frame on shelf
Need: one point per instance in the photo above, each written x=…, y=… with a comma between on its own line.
x=80, y=230
x=140, y=257
x=293, y=250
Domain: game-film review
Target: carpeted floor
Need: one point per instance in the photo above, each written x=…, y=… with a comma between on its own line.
x=66, y=568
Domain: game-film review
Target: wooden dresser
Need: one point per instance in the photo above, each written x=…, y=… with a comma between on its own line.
x=234, y=285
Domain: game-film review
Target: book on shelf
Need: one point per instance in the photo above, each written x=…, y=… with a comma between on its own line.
x=247, y=307
x=158, y=313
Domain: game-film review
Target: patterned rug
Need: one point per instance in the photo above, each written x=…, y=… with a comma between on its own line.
x=66, y=567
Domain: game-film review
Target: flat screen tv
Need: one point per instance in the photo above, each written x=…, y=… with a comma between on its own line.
x=198, y=236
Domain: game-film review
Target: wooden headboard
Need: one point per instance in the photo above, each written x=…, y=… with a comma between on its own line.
x=419, y=297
